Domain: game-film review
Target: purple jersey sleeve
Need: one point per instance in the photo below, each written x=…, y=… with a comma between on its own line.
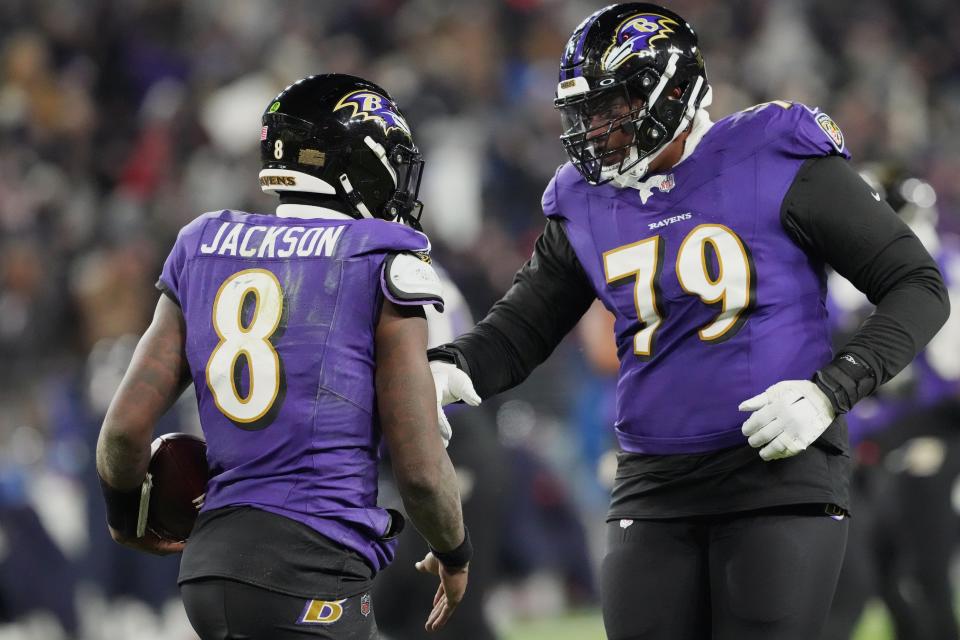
x=185, y=245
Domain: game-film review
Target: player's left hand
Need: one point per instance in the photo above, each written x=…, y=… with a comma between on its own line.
x=786, y=418
x=453, y=584
x=149, y=543
x=452, y=385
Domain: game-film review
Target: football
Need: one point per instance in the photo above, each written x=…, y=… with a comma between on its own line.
x=178, y=482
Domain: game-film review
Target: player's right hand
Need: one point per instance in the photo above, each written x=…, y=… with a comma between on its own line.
x=452, y=385
x=149, y=543
x=453, y=584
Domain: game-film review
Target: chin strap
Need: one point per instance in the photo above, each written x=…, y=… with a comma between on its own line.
x=353, y=197
x=699, y=117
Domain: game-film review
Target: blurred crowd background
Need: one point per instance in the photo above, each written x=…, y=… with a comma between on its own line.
x=121, y=120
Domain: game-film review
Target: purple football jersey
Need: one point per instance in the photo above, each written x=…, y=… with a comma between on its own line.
x=714, y=302
x=280, y=316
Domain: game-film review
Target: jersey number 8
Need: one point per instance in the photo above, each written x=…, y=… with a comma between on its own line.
x=251, y=341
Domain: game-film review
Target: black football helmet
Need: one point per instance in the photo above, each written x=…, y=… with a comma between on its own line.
x=341, y=135
x=635, y=68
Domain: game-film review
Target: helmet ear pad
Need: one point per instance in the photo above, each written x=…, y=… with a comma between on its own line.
x=649, y=133
x=667, y=113
x=673, y=106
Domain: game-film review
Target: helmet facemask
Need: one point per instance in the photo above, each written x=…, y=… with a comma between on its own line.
x=600, y=131
x=639, y=117
x=406, y=168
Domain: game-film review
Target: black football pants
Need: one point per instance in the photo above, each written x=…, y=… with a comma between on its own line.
x=760, y=575
x=222, y=609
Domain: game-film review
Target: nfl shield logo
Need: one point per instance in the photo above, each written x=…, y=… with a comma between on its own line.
x=667, y=184
x=365, y=605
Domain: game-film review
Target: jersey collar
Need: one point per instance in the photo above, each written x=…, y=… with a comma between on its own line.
x=308, y=211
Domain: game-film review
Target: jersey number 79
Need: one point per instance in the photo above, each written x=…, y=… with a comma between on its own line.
x=732, y=286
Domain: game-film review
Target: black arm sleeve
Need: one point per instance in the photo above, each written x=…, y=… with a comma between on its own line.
x=835, y=217
x=550, y=294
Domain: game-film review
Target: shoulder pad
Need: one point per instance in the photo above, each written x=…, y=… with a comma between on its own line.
x=185, y=246
x=789, y=128
x=375, y=235
x=817, y=129
x=410, y=279
x=806, y=131
x=783, y=104
x=760, y=114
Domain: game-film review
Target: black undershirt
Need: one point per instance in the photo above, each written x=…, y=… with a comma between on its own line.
x=834, y=217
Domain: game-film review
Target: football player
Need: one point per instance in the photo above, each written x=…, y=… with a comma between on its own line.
x=482, y=472
x=707, y=241
x=305, y=335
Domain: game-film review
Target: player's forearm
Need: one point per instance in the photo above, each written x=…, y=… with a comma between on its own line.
x=123, y=448
x=156, y=377
x=493, y=360
x=905, y=320
x=425, y=477
x=835, y=216
x=121, y=460
x=406, y=403
x=549, y=295
x=432, y=501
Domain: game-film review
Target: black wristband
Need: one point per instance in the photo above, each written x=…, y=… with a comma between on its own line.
x=123, y=508
x=449, y=354
x=456, y=558
x=845, y=380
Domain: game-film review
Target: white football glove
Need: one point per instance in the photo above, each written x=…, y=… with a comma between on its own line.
x=452, y=385
x=786, y=418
